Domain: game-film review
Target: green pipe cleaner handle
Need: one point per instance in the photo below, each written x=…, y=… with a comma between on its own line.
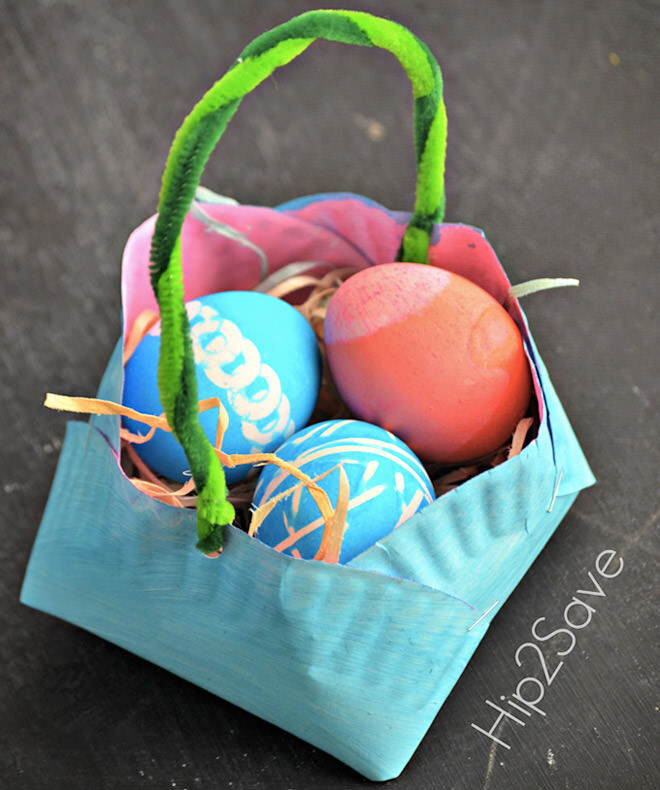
x=188, y=155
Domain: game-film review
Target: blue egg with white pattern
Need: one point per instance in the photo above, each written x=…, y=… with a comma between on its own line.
x=256, y=353
x=387, y=485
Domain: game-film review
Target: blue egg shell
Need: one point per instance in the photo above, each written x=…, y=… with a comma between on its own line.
x=257, y=353
x=388, y=485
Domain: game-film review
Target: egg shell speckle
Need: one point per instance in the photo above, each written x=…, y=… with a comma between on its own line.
x=256, y=353
x=430, y=356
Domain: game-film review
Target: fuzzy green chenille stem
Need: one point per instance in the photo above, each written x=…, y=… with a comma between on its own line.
x=190, y=151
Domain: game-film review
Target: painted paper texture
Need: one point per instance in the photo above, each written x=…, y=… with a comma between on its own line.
x=355, y=659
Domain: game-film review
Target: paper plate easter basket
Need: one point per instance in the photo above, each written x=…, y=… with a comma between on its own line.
x=356, y=659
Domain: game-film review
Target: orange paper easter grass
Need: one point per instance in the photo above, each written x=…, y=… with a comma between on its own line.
x=261, y=512
x=329, y=406
x=333, y=535
x=141, y=326
x=98, y=406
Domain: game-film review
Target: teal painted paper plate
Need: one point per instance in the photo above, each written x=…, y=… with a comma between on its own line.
x=355, y=659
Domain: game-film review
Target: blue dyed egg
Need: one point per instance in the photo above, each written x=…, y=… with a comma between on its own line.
x=388, y=485
x=257, y=353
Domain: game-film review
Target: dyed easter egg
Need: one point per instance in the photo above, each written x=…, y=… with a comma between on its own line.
x=256, y=353
x=430, y=356
x=387, y=484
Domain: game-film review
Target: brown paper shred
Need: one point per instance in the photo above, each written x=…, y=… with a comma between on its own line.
x=319, y=495
x=319, y=291
x=99, y=406
x=223, y=418
x=158, y=492
x=288, y=271
x=136, y=438
x=500, y=457
x=329, y=405
x=445, y=480
x=292, y=285
x=150, y=484
x=163, y=493
x=325, y=286
x=311, y=308
x=450, y=480
x=140, y=466
x=241, y=494
x=141, y=326
x=260, y=513
x=333, y=533
x=519, y=436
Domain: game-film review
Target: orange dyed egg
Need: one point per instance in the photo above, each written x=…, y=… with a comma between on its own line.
x=431, y=357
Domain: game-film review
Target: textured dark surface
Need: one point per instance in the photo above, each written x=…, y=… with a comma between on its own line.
x=554, y=130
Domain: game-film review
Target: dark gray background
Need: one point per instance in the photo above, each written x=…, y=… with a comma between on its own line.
x=554, y=149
